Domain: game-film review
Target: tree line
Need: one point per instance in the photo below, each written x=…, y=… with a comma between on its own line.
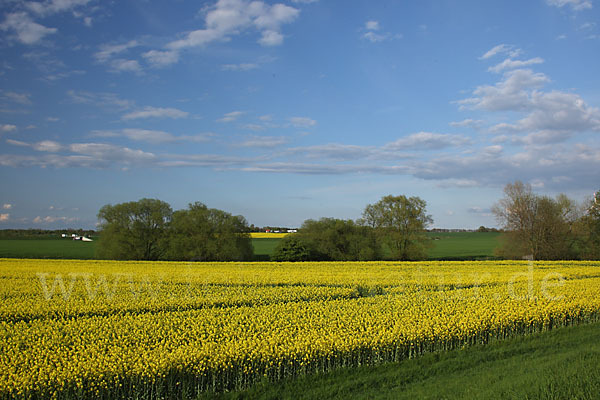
x=544, y=228
x=148, y=229
x=394, y=228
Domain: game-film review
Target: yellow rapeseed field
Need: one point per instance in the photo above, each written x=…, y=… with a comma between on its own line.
x=268, y=235
x=79, y=329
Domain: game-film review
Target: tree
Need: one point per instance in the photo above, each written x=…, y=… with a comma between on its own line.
x=291, y=248
x=134, y=230
x=207, y=234
x=329, y=239
x=588, y=229
x=400, y=222
x=537, y=226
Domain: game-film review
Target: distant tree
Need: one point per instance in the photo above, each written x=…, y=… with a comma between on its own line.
x=207, y=234
x=331, y=239
x=291, y=248
x=588, y=229
x=400, y=222
x=134, y=230
x=484, y=229
x=536, y=226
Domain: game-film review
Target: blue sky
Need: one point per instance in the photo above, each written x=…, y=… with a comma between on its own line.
x=287, y=110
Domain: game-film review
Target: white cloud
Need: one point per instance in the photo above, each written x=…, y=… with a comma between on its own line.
x=548, y=117
x=231, y=116
x=254, y=127
x=54, y=6
x=271, y=38
x=26, y=30
x=101, y=151
x=52, y=219
x=372, y=25
x=4, y=217
x=556, y=116
x=7, y=128
x=20, y=98
x=156, y=112
x=587, y=25
x=161, y=59
x=511, y=93
x=263, y=141
x=335, y=151
x=83, y=155
x=123, y=65
x=107, y=51
x=7, y=206
x=576, y=5
x=501, y=49
x=102, y=99
x=427, y=141
x=143, y=135
x=216, y=161
x=512, y=64
x=17, y=143
x=374, y=37
x=302, y=122
x=47, y=146
x=233, y=17
x=152, y=136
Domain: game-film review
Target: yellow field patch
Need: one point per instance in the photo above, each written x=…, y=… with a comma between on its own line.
x=267, y=235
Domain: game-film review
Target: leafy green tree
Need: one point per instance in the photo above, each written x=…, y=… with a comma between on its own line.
x=291, y=248
x=207, y=234
x=400, y=222
x=339, y=240
x=330, y=239
x=134, y=230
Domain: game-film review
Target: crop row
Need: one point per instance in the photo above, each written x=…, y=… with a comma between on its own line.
x=224, y=326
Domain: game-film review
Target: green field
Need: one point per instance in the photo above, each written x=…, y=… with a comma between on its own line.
x=47, y=248
x=463, y=245
x=558, y=364
x=263, y=248
x=445, y=246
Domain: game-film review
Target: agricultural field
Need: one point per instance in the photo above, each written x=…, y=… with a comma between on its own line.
x=47, y=248
x=268, y=235
x=462, y=245
x=78, y=329
x=445, y=246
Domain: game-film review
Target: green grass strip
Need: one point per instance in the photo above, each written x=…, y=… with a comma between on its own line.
x=558, y=364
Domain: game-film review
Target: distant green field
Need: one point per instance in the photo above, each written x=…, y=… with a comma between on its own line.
x=263, y=248
x=46, y=248
x=463, y=245
x=446, y=245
